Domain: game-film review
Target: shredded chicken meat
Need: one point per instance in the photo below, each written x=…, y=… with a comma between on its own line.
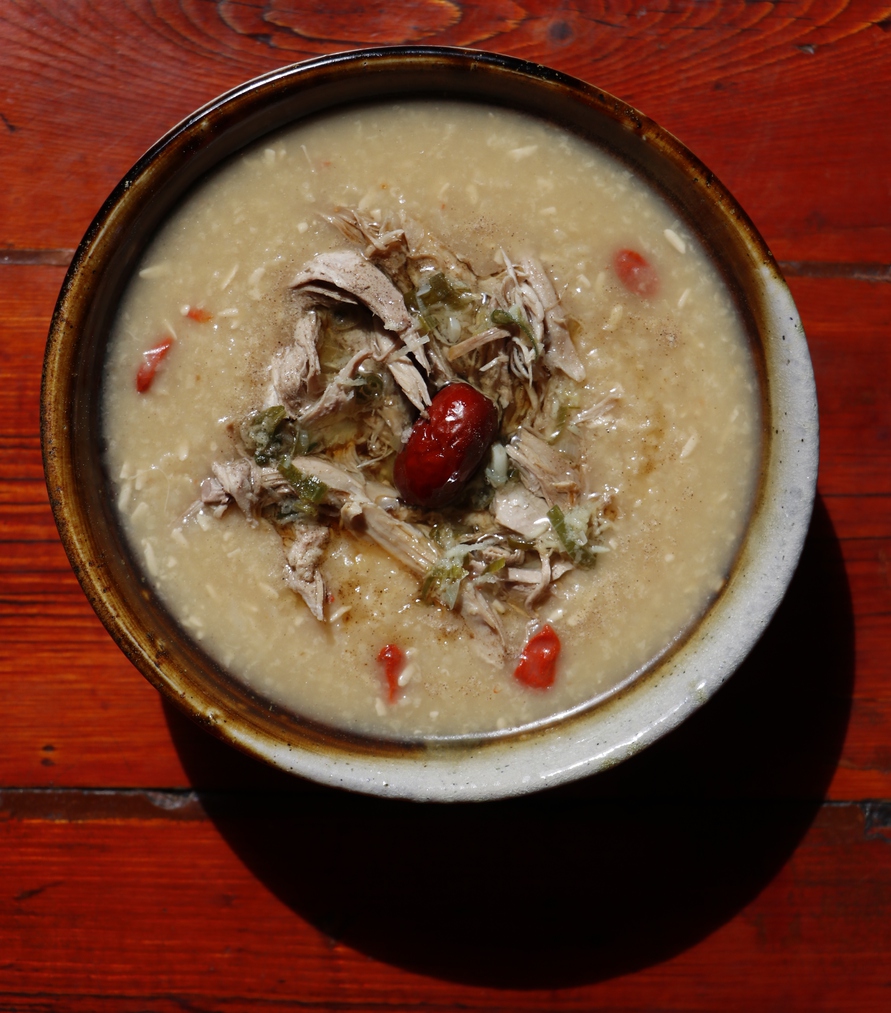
x=381, y=327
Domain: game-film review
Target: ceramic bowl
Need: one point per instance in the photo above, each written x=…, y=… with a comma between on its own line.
x=471, y=767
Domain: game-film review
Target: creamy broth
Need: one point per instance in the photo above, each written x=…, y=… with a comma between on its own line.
x=675, y=452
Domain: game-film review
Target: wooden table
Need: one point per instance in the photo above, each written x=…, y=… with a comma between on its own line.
x=744, y=863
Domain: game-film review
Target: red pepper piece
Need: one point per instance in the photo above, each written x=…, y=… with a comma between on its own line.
x=393, y=661
x=538, y=662
x=444, y=449
x=636, y=274
x=151, y=360
x=200, y=314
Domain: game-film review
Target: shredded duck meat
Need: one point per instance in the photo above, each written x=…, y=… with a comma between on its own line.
x=381, y=327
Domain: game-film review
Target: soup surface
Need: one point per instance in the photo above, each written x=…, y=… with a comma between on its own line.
x=655, y=417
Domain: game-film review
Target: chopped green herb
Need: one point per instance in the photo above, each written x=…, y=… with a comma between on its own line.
x=443, y=582
x=435, y=297
x=516, y=318
x=368, y=387
x=441, y=291
x=425, y=323
x=290, y=510
x=269, y=435
x=309, y=489
x=448, y=534
x=303, y=442
x=444, y=535
x=579, y=552
x=502, y=318
x=258, y=428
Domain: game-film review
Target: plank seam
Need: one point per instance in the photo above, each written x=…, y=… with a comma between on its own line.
x=58, y=257
x=59, y=804
x=865, y=271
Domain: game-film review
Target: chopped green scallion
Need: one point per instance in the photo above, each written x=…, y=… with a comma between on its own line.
x=516, y=318
x=443, y=582
x=309, y=489
x=441, y=291
x=269, y=435
x=578, y=552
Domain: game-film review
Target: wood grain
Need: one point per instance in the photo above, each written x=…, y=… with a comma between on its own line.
x=781, y=101
x=149, y=903
x=741, y=863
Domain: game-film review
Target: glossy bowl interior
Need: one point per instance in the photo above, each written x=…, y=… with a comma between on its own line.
x=466, y=768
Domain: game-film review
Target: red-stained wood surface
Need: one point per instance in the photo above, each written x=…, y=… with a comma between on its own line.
x=744, y=862
x=162, y=909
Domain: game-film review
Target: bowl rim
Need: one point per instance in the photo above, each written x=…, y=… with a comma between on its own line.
x=470, y=767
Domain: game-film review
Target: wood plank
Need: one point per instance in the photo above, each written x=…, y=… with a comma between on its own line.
x=743, y=85
x=858, y=516
x=846, y=322
x=123, y=903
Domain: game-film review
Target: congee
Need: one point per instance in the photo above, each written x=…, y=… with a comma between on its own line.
x=430, y=419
